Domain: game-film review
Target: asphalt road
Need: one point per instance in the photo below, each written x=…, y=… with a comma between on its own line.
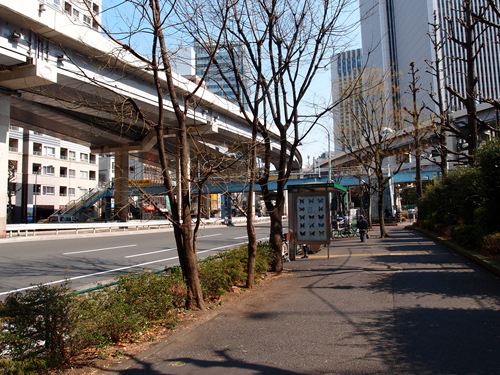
x=89, y=259
x=401, y=305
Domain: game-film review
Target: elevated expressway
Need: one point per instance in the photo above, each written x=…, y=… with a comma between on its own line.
x=68, y=81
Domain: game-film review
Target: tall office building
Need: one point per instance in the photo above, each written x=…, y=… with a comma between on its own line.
x=395, y=33
x=346, y=67
x=214, y=81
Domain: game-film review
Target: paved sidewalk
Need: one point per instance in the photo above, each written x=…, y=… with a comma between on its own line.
x=401, y=305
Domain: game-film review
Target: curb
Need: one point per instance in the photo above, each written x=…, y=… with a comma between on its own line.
x=476, y=258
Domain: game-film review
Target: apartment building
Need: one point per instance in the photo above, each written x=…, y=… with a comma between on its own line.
x=46, y=173
x=86, y=12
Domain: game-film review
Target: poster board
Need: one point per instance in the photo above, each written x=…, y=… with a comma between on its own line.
x=312, y=223
x=309, y=217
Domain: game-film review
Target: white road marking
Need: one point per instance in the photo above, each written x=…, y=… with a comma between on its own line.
x=151, y=252
x=239, y=238
x=210, y=235
x=95, y=250
x=88, y=275
x=116, y=269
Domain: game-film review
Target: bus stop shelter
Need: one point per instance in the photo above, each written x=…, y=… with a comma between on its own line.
x=309, y=213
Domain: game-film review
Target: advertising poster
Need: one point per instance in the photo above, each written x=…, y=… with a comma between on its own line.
x=312, y=218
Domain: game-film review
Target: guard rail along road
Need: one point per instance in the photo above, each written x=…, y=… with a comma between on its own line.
x=26, y=230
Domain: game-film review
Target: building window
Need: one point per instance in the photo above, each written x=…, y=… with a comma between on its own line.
x=36, y=168
x=93, y=159
x=63, y=172
x=63, y=191
x=63, y=152
x=13, y=145
x=72, y=155
x=95, y=8
x=84, y=157
x=84, y=175
x=37, y=148
x=72, y=173
x=49, y=151
x=49, y=190
x=86, y=20
x=92, y=175
x=67, y=7
x=76, y=14
x=37, y=189
x=49, y=170
x=14, y=128
x=71, y=192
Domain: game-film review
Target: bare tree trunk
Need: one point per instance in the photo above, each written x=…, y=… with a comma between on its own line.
x=471, y=82
x=185, y=244
x=275, y=237
x=418, y=172
x=369, y=202
x=252, y=237
x=380, y=207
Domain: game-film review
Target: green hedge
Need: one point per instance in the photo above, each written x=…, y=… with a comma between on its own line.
x=465, y=205
x=45, y=326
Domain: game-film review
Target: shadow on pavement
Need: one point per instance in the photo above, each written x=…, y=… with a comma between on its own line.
x=439, y=341
x=186, y=365
x=447, y=283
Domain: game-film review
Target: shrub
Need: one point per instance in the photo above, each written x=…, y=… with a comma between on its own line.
x=28, y=366
x=491, y=244
x=465, y=235
x=264, y=258
x=488, y=161
x=151, y=296
x=452, y=202
x=102, y=318
x=36, y=324
x=220, y=272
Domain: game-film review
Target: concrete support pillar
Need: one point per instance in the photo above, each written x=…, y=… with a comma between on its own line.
x=121, y=185
x=4, y=148
x=206, y=205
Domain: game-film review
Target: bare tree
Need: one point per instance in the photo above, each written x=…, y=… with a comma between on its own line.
x=153, y=18
x=489, y=16
x=285, y=43
x=440, y=114
x=466, y=31
x=416, y=133
x=371, y=138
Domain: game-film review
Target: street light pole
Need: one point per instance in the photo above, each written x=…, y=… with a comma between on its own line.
x=329, y=153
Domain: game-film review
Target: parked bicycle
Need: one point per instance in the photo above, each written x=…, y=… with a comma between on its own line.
x=345, y=232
